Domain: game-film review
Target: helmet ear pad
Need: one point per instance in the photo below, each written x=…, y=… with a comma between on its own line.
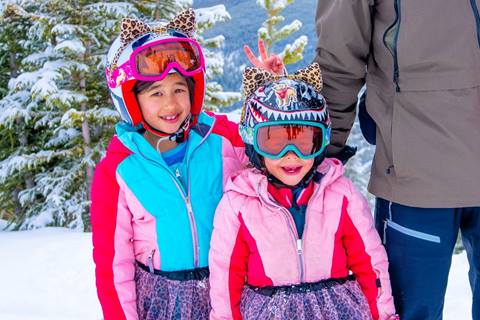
x=254, y=157
x=131, y=102
x=198, y=95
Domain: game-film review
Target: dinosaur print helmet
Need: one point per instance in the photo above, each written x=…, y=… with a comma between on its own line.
x=281, y=101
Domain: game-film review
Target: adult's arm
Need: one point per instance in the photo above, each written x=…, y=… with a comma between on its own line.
x=344, y=34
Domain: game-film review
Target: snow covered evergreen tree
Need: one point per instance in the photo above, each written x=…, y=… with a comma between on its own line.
x=14, y=24
x=61, y=89
x=56, y=114
x=215, y=97
x=270, y=34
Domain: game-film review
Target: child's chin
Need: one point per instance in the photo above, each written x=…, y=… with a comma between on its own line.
x=290, y=181
x=168, y=129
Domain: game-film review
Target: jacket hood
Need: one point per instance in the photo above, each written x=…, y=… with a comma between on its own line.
x=252, y=183
x=115, y=146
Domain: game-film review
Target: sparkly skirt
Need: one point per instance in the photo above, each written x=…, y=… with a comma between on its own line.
x=331, y=299
x=178, y=295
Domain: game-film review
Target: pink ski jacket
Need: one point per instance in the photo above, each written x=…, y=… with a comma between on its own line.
x=254, y=241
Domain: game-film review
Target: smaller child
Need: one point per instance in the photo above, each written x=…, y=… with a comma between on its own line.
x=293, y=238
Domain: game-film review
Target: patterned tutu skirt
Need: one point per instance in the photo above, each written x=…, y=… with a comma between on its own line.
x=332, y=299
x=178, y=295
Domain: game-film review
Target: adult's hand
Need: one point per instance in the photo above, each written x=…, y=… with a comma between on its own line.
x=272, y=63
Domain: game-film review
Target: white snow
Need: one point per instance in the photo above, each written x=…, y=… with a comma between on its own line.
x=212, y=15
x=17, y=162
x=48, y=274
x=274, y=4
x=75, y=46
x=63, y=28
x=296, y=47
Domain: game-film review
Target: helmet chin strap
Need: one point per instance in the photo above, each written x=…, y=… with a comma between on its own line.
x=178, y=136
x=312, y=174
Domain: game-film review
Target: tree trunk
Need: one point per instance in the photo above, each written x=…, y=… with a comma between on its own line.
x=22, y=140
x=83, y=108
x=86, y=135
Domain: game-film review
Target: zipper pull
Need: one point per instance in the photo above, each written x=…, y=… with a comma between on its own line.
x=177, y=173
x=150, y=261
x=189, y=205
x=299, y=246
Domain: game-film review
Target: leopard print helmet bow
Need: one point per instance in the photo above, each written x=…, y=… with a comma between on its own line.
x=253, y=78
x=131, y=29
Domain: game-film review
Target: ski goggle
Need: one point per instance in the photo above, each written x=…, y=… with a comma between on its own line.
x=274, y=139
x=154, y=61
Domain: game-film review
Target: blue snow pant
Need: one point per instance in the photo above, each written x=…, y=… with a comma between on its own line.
x=419, y=244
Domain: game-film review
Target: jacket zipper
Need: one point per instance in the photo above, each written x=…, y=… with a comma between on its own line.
x=392, y=45
x=297, y=240
x=320, y=187
x=298, y=243
x=193, y=224
x=396, y=73
x=477, y=19
x=186, y=198
x=293, y=232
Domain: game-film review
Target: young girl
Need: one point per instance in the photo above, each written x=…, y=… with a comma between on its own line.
x=293, y=238
x=155, y=192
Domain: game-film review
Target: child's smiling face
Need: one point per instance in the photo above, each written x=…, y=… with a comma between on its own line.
x=166, y=104
x=290, y=169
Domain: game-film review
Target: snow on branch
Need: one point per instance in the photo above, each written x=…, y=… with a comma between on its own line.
x=15, y=163
x=116, y=9
x=62, y=137
x=274, y=5
x=285, y=31
x=38, y=58
x=208, y=17
x=66, y=97
x=214, y=42
x=11, y=109
x=293, y=52
x=63, y=28
x=71, y=46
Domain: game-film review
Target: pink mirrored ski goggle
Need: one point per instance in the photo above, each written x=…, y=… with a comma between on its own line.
x=153, y=62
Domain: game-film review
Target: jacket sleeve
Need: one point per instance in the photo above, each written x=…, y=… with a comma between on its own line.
x=112, y=247
x=228, y=263
x=344, y=34
x=366, y=256
x=229, y=130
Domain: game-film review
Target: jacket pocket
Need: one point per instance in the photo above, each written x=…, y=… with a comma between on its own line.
x=389, y=223
x=412, y=233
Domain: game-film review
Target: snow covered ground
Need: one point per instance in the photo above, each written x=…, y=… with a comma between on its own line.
x=48, y=274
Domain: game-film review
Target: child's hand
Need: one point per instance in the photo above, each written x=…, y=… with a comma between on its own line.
x=273, y=64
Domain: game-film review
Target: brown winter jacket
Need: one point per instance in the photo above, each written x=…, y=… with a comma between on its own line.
x=423, y=91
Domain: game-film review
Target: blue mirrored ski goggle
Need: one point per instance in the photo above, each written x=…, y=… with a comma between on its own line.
x=273, y=139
